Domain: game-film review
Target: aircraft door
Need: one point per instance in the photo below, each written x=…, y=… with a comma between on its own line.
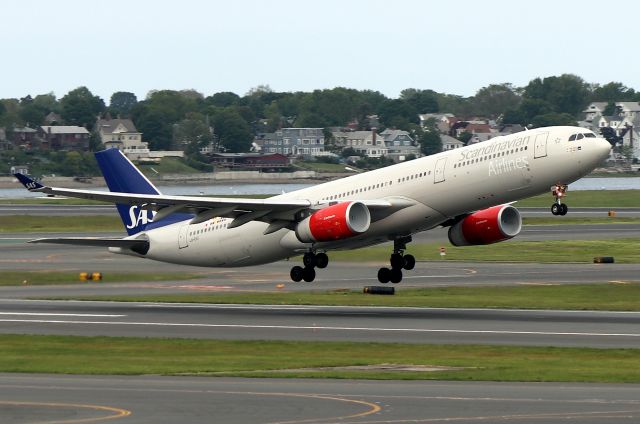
x=183, y=236
x=438, y=175
x=540, y=145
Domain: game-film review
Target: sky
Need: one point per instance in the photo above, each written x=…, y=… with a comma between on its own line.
x=454, y=47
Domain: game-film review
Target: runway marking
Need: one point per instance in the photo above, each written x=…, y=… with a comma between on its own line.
x=61, y=314
x=329, y=328
x=557, y=415
x=118, y=412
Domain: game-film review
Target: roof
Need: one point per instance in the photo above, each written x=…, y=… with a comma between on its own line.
x=447, y=139
x=629, y=106
x=108, y=126
x=64, y=129
x=595, y=105
x=24, y=130
x=393, y=134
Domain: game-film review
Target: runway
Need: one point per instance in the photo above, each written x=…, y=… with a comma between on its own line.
x=323, y=323
x=152, y=399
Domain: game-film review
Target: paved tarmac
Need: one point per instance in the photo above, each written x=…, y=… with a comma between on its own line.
x=323, y=323
x=158, y=400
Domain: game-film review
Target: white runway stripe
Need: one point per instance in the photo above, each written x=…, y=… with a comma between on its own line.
x=329, y=328
x=47, y=314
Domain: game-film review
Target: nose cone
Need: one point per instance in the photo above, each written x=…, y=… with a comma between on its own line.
x=603, y=148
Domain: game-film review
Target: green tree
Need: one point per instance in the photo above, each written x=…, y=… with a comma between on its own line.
x=192, y=132
x=121, y=103
x=613, y=92
x=565, y=94
x=465, y=136
x=80, y=107
x=495, y=99
x=551, y=119
x=423, y=101
x=234, y=133
x=429, y=138
x=223, y=99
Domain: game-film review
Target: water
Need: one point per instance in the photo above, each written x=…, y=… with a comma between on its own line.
x=626, y=183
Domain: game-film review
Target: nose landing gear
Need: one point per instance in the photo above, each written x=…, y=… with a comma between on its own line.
x=310, y=260
x=559, y=191
x=398, y=262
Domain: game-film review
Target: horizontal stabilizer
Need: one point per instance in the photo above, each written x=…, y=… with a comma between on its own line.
x=139, y=246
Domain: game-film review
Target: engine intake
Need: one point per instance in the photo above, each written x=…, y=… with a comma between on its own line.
x=337, y=222
x=487, y=226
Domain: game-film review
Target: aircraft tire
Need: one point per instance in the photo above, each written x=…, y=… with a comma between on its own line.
x=555, y=209
x=322, y=260
x=396, y=275
x=384, y=275
x=397, y=261
x=309, y=260
x=296, y=273
x=308, y=274
x=409, y=262
x=563, y=209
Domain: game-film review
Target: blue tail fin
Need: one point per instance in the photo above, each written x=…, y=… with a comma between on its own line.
x=122, y=176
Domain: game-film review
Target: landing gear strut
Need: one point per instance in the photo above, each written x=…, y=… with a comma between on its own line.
x=559, y=191
x=398, y=262
x=310, y=260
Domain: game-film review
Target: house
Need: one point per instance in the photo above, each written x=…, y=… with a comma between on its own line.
x=367, y=143
x=444, y=121
x=122, y=134
x=293, y=141
x=400, y=144
x=594, y=110
x=19, y=169
x=22, y=137
x=52, y=118
x=250, y=160
x=450, y=143
x=65, y=137
x=629, y=109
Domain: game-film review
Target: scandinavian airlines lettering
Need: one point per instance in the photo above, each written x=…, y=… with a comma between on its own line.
x=512, y=143
x=139, y=216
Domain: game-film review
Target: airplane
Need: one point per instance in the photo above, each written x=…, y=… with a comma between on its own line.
x=471, y=190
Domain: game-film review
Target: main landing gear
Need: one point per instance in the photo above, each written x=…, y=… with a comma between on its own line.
x=398, y=261
x=558, y=191
x=310, y=260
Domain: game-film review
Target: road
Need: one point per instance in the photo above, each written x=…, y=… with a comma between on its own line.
x=187, y=400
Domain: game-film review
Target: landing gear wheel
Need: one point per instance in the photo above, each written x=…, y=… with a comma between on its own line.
x=296, y=273
x=384, y=275
x=396, y=275
x=555, y=209
x=409, y=262
x=563, y=209
x=308, y=274
x=322, y=260
x=397, y=261
x=309, y=260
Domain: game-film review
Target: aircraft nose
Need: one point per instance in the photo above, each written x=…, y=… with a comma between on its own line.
x=604, y=148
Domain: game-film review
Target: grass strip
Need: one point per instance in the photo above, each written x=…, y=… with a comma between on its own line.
x=55, y=224
x=588, y=198
x=603, y=297
x=36, y=278
x=623, y=250
x=569, y=220
x=120, y=355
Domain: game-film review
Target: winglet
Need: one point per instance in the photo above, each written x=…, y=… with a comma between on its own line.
x=30, y=184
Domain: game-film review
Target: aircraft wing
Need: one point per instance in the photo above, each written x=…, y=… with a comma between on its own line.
x=137, y=245
x=279, y=212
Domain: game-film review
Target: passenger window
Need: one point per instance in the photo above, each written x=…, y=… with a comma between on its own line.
x=573, y=137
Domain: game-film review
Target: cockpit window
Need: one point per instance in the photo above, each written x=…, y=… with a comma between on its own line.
x=580, y=137
x=573, y=137
x=589, y=135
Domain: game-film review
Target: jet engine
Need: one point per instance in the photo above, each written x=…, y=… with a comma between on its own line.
x=337, y=222
x=487, y=226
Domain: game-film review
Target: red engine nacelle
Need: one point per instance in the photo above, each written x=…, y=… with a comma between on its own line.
x=337, y=222
x=487, y=226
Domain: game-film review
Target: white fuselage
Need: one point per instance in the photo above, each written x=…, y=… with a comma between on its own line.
x=440, y=187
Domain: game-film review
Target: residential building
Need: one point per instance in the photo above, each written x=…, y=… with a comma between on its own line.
x=250, y=160
x=293, y=141
x=367, y=143
x=22, y=137
x=52, y=118
x=400, y=144
x=66, y=137
x=450, y=143
x=444, y=121
x=594, y=111
x=122, y=134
